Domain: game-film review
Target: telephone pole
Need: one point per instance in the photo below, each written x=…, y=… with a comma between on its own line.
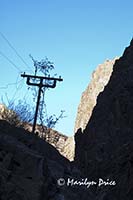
x=40, y=85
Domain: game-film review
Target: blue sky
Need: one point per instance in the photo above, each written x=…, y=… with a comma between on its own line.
x=76, y=35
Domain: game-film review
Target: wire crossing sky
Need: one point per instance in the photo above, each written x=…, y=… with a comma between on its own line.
x=10, y=45
x=76, y=35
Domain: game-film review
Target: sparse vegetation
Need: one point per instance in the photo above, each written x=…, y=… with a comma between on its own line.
x=17, y=113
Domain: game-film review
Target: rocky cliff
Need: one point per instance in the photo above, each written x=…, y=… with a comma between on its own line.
x=100, y=78
x=24, y=158
x=30, y=168
x=105, y=148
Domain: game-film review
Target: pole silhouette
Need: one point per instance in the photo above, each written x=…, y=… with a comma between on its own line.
x=40, y=85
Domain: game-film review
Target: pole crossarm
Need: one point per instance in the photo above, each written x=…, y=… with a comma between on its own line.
x=40, y=85
x=42, y=77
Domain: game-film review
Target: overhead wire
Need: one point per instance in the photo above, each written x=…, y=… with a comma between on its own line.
x=9, y=84
x=10, y=61
x=18, y=88
x=16, y=52
x=15, y=66
x=19, y=84
x=16, y=84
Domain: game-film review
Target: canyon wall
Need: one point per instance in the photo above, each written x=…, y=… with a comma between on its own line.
x=105, y=147
x=100, y=78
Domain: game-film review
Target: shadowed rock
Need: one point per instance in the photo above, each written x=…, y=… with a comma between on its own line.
x=104, y=149
x=30, y=168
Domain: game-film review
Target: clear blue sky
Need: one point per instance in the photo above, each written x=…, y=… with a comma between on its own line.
x=76, y=35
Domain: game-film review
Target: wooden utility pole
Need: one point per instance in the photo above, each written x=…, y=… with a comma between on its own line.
x=41, y=84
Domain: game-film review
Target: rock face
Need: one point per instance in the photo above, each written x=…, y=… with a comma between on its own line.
x=69, y=148
x=105, y=148
x=27, y=165
x=53, y=137
x=30, y=168
x=100, y=78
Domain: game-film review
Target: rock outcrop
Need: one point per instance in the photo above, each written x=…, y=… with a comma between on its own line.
x=53, y=137
x=60, y=141
x=27, y=165
x=30, y=168
x=69, y=148
x=105, y=148
x=99, y=80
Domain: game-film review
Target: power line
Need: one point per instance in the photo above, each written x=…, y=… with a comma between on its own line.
x=11, y=46
x=18, y=88
x=18, y=85
x=14, y=83
x=10, y=61
x=9, y=84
